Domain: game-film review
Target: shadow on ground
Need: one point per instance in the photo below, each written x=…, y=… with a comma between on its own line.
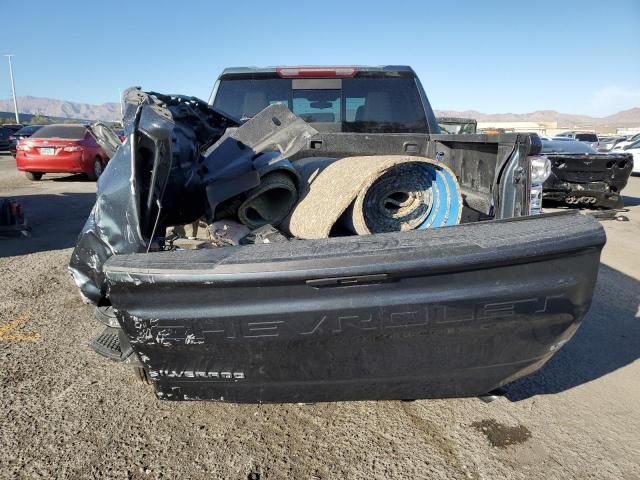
x=55, y=221
x=78, y=177
x=631, y=201
x=608, y=339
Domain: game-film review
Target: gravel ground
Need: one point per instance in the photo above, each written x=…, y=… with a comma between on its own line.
x=69, y=413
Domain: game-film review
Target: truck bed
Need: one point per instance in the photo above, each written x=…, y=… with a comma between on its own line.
x=479, y=162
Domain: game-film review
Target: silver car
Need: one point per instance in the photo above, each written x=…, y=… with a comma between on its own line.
x=589, y=138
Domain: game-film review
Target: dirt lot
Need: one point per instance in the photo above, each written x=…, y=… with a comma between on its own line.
x=69, y=413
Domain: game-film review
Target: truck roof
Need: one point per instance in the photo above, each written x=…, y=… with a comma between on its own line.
x=391, y=70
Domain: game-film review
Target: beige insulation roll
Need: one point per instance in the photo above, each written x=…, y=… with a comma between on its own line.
x=378, y=193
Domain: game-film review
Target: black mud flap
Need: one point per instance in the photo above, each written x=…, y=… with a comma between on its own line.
x=448, y=312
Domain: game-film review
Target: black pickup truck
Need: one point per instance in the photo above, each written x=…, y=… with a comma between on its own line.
x=433, y=313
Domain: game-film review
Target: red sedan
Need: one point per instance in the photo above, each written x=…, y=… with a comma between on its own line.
x=66, y=148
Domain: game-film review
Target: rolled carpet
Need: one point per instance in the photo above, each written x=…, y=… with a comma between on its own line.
x=374, y=194
x=270, y=202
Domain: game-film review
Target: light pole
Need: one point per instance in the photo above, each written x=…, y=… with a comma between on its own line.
x=13, y=89
x=121, y=106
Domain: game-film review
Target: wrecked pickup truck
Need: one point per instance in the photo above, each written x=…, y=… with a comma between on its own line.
x=435, y=282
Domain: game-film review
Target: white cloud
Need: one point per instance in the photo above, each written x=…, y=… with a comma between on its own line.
x=613, y=98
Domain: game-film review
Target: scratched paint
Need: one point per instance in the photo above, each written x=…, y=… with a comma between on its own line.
x=8, y=331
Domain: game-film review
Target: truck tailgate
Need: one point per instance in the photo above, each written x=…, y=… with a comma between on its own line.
x=455, y=311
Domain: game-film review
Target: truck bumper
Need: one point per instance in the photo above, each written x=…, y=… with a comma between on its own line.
x=448, y=312
x=73, y=162
x=588, y=180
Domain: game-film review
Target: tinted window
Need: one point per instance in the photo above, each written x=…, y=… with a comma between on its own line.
x=61, y=131
x=587, y=137
x=315, y=106
x=244, y=98
x=560, y=146
x=383, y=105
x=367, y=104
x=29, y=129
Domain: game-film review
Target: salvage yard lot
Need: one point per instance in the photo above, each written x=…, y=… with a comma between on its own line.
x=66, y=412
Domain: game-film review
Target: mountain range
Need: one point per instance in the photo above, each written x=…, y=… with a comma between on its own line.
x=51, y=107
x=625, y=118
x=111, y=112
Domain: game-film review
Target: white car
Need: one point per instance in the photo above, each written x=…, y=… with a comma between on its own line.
x=628, y=141
x=634, y=149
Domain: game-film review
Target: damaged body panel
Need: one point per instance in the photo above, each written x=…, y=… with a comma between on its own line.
x=450, y=312
x=269, y=317
x=180, y=161
x=582, y=177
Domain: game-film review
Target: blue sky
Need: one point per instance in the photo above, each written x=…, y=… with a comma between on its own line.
x=491, y=56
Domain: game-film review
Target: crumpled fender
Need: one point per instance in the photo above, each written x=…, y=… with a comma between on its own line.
x=180, y=159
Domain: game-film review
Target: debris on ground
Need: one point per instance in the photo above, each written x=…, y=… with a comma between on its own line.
x=12, y=220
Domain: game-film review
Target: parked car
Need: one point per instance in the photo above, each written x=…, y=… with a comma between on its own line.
x=5, y=133
x=590, y=138
x=24, y=132
x=582, y=177
x=6, y=130
x=426, y=313
x=607, y=143
x=633, y=149
x=67, y=148
x=628, y=140
x=561, y=139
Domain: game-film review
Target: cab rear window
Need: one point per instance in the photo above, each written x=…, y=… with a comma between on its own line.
x=242, y=99
x=377, y=105
x=367, y=104
x=317, y=106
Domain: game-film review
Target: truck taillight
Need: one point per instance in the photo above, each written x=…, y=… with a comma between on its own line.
x=317, y=72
